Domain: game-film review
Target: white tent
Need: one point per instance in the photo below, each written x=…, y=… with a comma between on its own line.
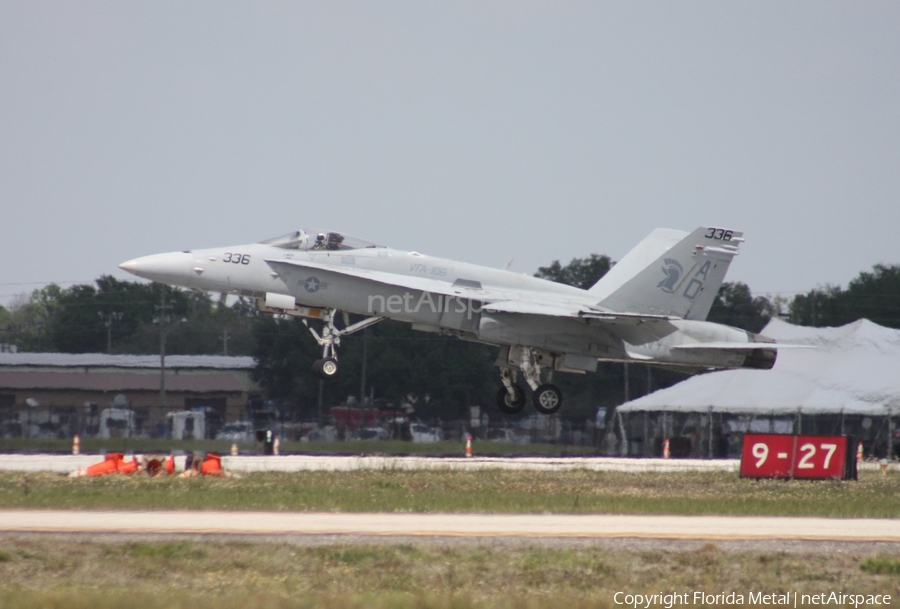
x=852, y=370
x=825, y=380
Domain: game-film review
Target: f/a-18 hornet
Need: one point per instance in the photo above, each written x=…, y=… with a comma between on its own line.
x=649, y=308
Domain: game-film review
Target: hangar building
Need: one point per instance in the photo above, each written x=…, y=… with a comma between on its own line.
x=58, y=394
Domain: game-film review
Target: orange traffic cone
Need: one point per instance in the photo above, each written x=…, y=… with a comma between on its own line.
x=76, y=445
x=127, y=467
x=666, y=449
x=108, y=466
x=468, y=445
x=169, y=465
x=212, y=465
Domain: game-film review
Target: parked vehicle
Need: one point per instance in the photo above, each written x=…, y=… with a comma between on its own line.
x=372, y=433
x=239, y=431
x=322, y=434
x=186, y=425
x=117, y=423
x=507, y=435
x=422, y=433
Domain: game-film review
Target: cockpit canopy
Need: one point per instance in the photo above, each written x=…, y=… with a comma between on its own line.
x=311, y=239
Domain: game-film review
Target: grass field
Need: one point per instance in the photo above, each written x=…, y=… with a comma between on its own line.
x=495, y=491
x=108, y=573
x=102, y=574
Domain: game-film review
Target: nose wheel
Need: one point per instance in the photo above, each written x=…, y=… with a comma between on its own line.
x=327, y=367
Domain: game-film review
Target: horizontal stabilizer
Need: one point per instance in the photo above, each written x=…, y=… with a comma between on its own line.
x=623, y=317
x=553, y=310
x=722, y=346
x=726, y=346
x=636, y=355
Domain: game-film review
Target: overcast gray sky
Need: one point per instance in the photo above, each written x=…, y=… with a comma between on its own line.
x=480, y=131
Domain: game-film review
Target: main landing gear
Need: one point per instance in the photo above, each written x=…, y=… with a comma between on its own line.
x=547, y=397
x=327, y=367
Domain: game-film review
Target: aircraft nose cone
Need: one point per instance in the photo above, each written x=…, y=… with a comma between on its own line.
x=130, y=266
x=173, y=268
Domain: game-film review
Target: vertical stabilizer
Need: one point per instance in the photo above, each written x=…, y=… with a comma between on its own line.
x=670, y=273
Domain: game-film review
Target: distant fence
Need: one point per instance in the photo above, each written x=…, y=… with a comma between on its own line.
x=701, y=435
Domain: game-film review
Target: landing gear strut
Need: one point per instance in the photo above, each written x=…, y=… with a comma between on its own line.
x=510, y=398
x=547, y=397
x=327, y=367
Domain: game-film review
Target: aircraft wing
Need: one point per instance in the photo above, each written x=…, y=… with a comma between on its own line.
x=531, y=308
x=393, y=279
x=496, y=301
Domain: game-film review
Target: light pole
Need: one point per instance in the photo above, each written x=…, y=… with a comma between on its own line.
x=365, y=356
x=162, y=318
x=108, y=322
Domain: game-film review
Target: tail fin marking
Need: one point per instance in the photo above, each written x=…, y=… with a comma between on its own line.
x=670, y=273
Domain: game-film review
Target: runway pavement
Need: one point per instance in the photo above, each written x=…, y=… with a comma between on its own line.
x=450, y=525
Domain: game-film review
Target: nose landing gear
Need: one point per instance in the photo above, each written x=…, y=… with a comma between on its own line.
x=327, y=367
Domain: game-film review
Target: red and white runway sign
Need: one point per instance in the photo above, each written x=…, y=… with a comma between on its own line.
x=791, y=456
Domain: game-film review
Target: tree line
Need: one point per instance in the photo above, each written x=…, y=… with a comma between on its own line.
x=441, y=376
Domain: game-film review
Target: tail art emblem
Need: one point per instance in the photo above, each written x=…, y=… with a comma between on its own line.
x=672, y=271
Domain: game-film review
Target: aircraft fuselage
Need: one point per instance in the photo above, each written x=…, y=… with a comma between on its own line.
x=258, y=270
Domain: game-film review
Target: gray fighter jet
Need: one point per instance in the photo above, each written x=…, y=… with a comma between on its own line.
x=650, y=308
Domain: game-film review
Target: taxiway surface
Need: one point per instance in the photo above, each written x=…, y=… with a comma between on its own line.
x=450, y=525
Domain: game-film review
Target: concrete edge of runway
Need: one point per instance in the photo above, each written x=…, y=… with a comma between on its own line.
x=63, y=464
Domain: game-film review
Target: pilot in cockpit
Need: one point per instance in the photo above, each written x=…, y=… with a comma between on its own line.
x=332, y=241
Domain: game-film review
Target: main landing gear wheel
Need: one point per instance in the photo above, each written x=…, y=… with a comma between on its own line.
x=547, y=399
x=510, y=404
x=326, y=368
